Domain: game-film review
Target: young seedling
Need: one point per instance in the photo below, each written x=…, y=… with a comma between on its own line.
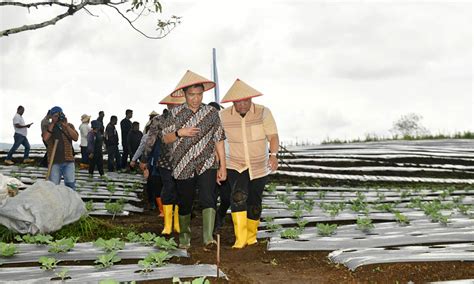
x=63, y=274
x=326, y=230
x=90, y=206
x=63, y=245
x=271, y=188
x=133, y=237
x=302, y=223
x=291, y=233
x=364, y=224
x=300, y=195
x=109, y=245
x=38, y=239
x=322, y=195
x=48, y=263
x=114, y=207
x=107, y=260
x=158, y=258
x=162, y=243
x=401, y=219
x=7, y=250
x=200, y=280
x=147, y=239
x=146, y=266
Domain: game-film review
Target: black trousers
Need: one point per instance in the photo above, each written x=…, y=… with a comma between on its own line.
x=125, y=154
x=224, y=194
x=246, y=194
x=206, y=183
x=168, y=193
x=153, y=188
x=98, y=161
x=113, y=159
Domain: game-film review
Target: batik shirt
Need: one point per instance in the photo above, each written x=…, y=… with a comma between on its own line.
x=154, y=133
x=194, y=155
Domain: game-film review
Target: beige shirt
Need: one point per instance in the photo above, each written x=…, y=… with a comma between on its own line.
x=247, y=139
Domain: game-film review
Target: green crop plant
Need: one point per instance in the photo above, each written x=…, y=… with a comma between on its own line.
x=322, y=195
x=291, y=233
x=300, y=195
x=271, y=188
x=326, y=230
x=302, y=223
x=297, y=205
x=48, y=263
x=464, y=208
x=63, y=245
x=90, y=206
x=162, y=243
x=133, y=237
x=146, y=266
x=113, y=244
x=385, y=207
x=401, y=219
x=200, y=280
x=273, y=227
x=7, y=250
x=63, y=274
x=107, y=260
x=364, y=224
x=35, y=239
x=147, y=239
x=288, y=188
x=158, y=258
x=111, y=188
x=458, y=199
x=298, y=214
x=114, y=207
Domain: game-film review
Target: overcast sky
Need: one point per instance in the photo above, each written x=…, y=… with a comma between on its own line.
x=326, y=68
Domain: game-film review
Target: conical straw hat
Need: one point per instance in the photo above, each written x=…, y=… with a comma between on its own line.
x=240, y=91
x=189, y=79
x=169, y=100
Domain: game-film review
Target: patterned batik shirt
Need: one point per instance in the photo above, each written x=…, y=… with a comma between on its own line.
x=194, y=155
x=154, y=133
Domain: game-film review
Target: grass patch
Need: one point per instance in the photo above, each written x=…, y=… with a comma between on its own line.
x=7, y=235
x=90, y=228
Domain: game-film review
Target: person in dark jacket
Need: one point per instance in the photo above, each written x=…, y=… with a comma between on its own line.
x=95, y=139
x=125, y=127
x=134, y=137
x=111, y=142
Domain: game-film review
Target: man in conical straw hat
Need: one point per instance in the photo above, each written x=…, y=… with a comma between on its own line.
x=250, y=129
x=168, y=199
x=197, y=135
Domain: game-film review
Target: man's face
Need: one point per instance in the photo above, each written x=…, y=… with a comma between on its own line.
x=129, y=115
x=101, y=114
x=242, y=107
x=193, y=96
x=21, y=111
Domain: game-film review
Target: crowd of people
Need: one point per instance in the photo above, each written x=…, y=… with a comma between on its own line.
x=191, y=151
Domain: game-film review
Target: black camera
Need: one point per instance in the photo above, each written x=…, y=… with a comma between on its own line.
x=61, y=116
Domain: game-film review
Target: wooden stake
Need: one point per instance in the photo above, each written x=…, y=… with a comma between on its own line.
x=218, y=254
x=51, y=159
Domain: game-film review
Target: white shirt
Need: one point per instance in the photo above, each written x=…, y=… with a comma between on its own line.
x=84, y=129
x=18, y=119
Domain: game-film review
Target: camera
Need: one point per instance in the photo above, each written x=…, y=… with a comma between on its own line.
x=61, y=116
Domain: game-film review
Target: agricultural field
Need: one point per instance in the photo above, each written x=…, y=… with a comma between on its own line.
x=380, y=212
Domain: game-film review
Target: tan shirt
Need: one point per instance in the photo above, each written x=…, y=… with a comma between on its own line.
x=247, y=139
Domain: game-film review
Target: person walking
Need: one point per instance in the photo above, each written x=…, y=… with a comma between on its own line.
x=197, y=138
x=125, y=127
x=95, y=140
x=253, y=142
x=84, y=130
x=111, y=142
x=19, y=138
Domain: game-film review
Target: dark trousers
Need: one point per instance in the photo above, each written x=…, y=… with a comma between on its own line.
x=224, y=194
x=206, y=182
x=84, y=155
x=246, y=194
x=19, y=140
x=98, y=161
x=44, y=160
x=168, y=193
x=125, y=155
x=153, y=188
x=113, y=159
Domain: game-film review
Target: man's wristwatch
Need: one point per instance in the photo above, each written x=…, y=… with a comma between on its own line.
x=177, y=134
x=273, y=154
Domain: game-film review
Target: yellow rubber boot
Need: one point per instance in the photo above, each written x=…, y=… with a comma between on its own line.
x=240, y=229
x=176, y=219
x=168, y=214
x=252, y=227
x=160, y=206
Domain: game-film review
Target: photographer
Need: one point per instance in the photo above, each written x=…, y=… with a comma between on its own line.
x=62, y=131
